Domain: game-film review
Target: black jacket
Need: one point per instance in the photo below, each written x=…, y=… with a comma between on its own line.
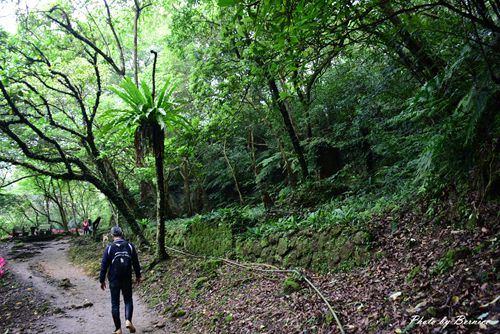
x=107, y=258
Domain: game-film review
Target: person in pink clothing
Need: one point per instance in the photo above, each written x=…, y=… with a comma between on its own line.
x=86, y=226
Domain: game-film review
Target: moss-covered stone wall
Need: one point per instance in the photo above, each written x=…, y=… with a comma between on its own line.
x=336, y=247
x=320, y=250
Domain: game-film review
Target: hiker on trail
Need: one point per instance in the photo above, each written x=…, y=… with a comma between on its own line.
x=86, y=226
x=120, y=257
x=95, y=225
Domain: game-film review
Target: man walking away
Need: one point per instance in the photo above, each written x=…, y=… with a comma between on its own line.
x=119, y=257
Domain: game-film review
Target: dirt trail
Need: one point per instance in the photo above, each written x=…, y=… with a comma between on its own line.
x=80, y=305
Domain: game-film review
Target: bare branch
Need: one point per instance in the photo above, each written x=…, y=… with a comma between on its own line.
x=67, y=26
x=117, y=40
x=4, y=185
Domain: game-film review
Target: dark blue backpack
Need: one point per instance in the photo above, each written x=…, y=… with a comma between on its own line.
x=121, y=264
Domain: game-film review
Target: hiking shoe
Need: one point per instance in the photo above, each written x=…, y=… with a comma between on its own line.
x=118, y=331
x=130, y=326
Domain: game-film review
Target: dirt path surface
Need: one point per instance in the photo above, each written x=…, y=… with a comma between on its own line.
x=78, y=303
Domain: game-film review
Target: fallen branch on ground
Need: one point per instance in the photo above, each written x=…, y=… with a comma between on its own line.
x=269, y=269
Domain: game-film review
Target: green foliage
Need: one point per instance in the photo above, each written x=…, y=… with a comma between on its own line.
x=407, y=123
x=209, y=267
x=142, y=109
x=200, y=282
x=211, y=234
x=460, y=111
x=448, y=260
x=205, y=239
x=290, y=285
x=353, y=210
x=413, y=273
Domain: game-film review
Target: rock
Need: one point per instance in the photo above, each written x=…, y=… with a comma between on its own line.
x=264, y=243
x=305, y=261
x=346, y=250
x=160, y=324
x=360, y=238
x=291, y=259
x=257, y=249
x=323, y=241
x=267, y=254
x=335, y=230
x=282, y=247
x=333, y=260
x=395, y=295
x=65, y=283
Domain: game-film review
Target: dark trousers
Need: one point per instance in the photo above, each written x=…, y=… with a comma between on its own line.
x=126, y=288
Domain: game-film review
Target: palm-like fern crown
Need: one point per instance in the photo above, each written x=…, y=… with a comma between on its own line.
x=145, y=108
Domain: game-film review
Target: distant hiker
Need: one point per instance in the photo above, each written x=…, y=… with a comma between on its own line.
x=120, y=257
x=86, y=226
x=95, y=225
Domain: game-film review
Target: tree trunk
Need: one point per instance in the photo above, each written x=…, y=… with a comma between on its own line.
x=60, y=204
x=233, y=173
x=201, y=203
x=47, y=208
x=289, y=175
x=128, y=215
x=251, y=147
x=72, y=200
x=116, y=191
x=367, y=150
x=297, y=147
x=162, y=212
x=121, y=204
x=428, y=65
x=136, y=60
x=188, y=207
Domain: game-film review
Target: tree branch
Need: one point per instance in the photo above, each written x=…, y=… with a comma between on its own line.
x=4, y=185
x=117, y=40
x=67, y=26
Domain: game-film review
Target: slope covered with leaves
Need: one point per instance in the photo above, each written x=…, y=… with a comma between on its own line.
x=427, y=267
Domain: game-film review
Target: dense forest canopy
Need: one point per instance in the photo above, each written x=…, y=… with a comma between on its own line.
x=285, y=103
